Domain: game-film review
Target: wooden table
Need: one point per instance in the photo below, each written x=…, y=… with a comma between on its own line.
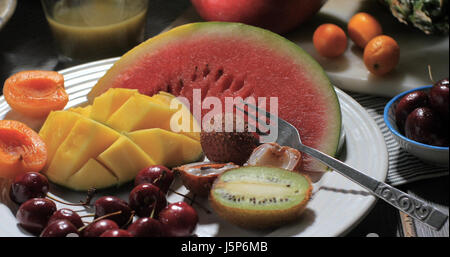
x=26, y=43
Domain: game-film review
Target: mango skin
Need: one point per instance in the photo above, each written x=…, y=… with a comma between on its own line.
x=86, y=151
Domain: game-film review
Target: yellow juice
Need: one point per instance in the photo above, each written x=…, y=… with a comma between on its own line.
x=97, y=28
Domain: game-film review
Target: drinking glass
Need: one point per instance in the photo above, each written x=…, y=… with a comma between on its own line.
x=96, y=29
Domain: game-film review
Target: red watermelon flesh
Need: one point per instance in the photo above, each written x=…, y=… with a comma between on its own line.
x=226, y=59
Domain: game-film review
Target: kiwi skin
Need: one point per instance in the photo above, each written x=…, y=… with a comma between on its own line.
x=259, y=219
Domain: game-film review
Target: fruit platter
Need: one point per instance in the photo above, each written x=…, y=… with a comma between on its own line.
x=119, y=147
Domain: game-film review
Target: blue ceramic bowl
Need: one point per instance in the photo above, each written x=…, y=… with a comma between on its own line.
x=431, y=154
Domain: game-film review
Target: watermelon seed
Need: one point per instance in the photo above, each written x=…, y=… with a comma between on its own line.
x=194, y=75
x=176, y=87
x=219, y=74
x=168, y=88
x=206, y=71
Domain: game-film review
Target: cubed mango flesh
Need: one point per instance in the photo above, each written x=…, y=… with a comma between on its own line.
x=87, y=139
x=125, y=159
x=92, y=175
x=166, y=147
x=182, y=120
x=109, y=102
x=55, y=130
x=106, y=144
x=83, y=111
x=140, y=112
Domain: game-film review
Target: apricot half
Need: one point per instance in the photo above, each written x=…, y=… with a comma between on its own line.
x=35, y=93
x=21, y=149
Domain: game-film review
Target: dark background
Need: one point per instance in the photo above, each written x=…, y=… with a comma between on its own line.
x=26, y=43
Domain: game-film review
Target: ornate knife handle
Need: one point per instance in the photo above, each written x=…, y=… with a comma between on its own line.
x=404, y=202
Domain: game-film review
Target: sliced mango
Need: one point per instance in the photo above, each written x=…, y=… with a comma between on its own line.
x=140, y=112
x=164, y=97
x=109, y=102
x=91, y=175
x=87, y=138
x=109, y=142
x=125, y=159
x=83, y=111
x=167, y=148
x=55, y=130
x=191, y=128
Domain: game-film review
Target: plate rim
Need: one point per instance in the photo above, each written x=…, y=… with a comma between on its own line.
x=385, y=163
x=7, y=12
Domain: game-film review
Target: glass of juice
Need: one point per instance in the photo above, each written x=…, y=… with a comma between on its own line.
x=86, y=30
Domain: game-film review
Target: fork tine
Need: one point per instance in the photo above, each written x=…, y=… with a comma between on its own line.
x=267, y=114
x=286, y=132
x=256, y=120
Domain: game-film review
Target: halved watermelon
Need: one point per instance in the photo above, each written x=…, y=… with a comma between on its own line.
x=231, y=59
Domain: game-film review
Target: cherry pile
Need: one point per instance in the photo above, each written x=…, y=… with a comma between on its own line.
x=113, y=216
x=423, y=116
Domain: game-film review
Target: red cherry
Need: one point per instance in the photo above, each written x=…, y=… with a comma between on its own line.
x=110, y=204
x=178, y=219
x=97, y=228
x=146, y=227
x=407, y=104
x=158, y=175
x=146, y=199
x=59, y=228
x=422, y=125
x=116, y=233
x=28, y=185
x=34, y=214
x=439, y=97
x=67, y=214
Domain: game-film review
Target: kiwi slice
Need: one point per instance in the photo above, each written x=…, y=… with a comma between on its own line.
x=260, y=197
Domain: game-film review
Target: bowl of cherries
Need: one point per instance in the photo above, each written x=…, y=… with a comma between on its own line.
x=419, y=121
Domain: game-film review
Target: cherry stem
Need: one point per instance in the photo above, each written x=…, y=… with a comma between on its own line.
x=192, y=200
x=130, y=219
x=87, y=216
x=159, y=177
x=430, y=74
x=66, y=203
x=100, y=218
x=90, y=195
x=153, y=210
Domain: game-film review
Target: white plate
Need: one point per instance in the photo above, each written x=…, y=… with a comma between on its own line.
x=337, y=204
